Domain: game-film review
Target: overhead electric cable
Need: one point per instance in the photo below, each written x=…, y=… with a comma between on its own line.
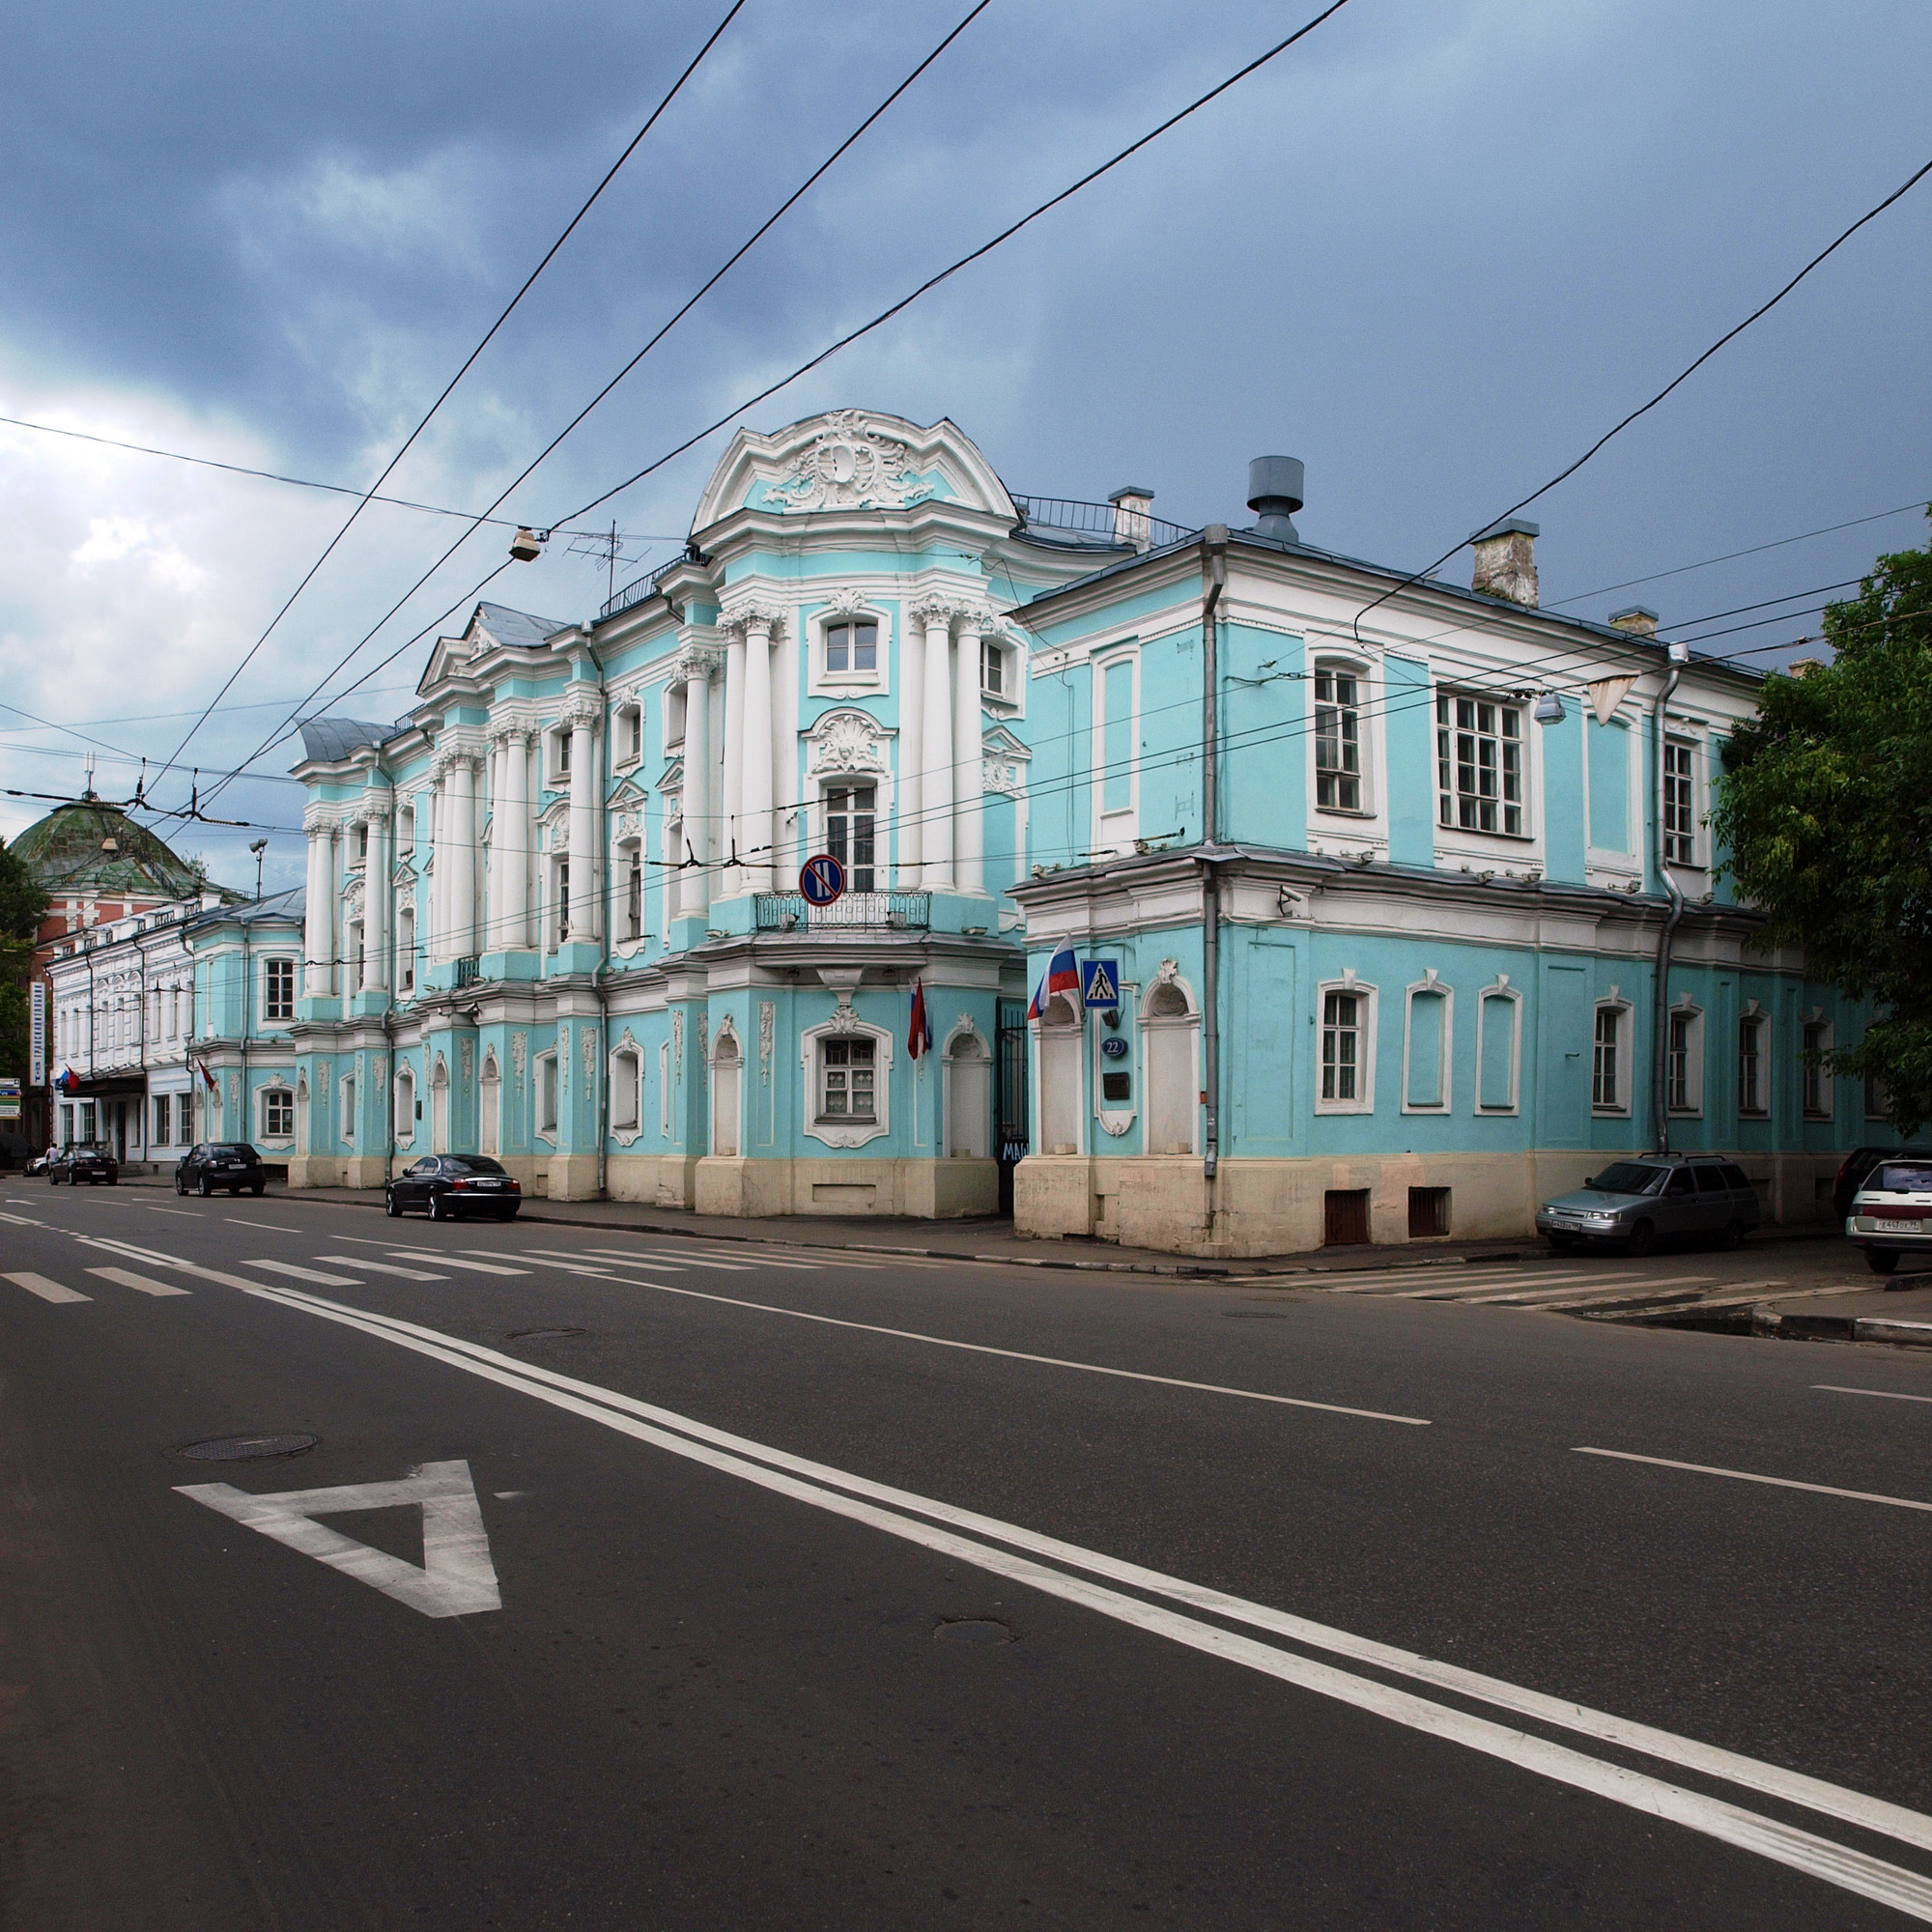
x=1683, y=375
x=530, y=281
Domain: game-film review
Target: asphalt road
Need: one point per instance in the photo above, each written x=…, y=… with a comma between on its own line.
x=679, y=1585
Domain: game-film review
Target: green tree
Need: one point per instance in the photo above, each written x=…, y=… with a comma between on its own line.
x=22, y=907
x=1826, y=809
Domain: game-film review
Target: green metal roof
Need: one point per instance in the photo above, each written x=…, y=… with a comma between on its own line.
x=67, y=852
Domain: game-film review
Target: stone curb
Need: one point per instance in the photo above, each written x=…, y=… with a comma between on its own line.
x=1767, y=1321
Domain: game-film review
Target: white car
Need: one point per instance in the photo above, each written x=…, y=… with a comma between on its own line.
x=1892, y=1213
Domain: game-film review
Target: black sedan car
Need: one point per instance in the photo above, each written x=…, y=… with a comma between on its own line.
x=78, y=1163
x=230, y=1164
x=448, y=1186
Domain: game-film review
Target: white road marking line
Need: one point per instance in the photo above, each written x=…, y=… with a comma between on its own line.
x=23, y=1221
x=47, y=1291
x=1611, y=1289
x=1748, y=1476
x=185, y=1214
x=362, y=1240
x=456, y=1578
x=595, y=1261
x=156, y=1258
x=127, y=1278
x=295, y=1273
x=1506, y=1283
x=1045, y=1361
x=274, y=1227
x=679, y=1259
x=1890, y=1394
x=443, y=1259
x=381, y=1267
x=1836, y=1864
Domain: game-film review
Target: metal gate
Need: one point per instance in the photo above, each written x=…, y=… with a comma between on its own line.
x=1011, y=1097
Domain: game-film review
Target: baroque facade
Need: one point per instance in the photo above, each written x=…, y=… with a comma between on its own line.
x=553, y=913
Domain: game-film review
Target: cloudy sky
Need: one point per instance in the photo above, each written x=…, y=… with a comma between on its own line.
x=1433, y=250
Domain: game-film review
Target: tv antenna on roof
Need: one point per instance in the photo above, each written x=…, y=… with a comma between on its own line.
x=611, y=546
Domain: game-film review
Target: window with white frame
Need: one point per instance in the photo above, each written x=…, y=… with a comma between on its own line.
x=1680, y=801
x=993, y=668
x=851, y=647
x=405, y=947
x=405, y=829
x=560, y=899
x=634, y=896
x=278, y=999
x=1817, y=1073
x=1684, y=1062
x=164, y=1123
x=1117, y=737
x=629, y=739
x=360, y=855
x=1754, y=1093
x=1347, y=1083
x=847, y=1079
x=627, y=1090
x=278, y=1113
x=1479, y=765
x=1498, y=1050
x=673, y=718
x=559, y=756
x=1608, y=1069
x=347, y=1094
x=1338, y=739
x=664, y=1090
x=850, y=836
x=546, y=1076
x=404, y=1091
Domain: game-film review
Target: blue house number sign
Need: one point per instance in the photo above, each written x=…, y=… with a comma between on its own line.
x=821, y=880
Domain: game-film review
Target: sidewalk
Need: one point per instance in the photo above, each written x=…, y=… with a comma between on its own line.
x=1899, y=1316
x=985, y=1237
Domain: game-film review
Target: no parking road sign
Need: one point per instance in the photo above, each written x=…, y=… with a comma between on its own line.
x=821, y=879
x=1100, y=982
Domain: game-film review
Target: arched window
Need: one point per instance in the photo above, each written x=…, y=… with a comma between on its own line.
x=969, y=1097
x=406, y=1103
x=627, y=1074
x=728, y=1065
x=1173, y=1086
x=1061, y=1088
x=488, y=1100
x=439, y=1107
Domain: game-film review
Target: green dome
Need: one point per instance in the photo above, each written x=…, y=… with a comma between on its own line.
x=96, y=851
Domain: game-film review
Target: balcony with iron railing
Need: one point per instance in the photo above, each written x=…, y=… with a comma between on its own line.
x=854, y=912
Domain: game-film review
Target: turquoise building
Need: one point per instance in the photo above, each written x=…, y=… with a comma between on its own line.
x=554, y=913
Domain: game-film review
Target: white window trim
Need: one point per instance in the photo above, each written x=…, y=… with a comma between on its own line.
x=720, y=1069
x=1695, y=1055
x=1615, y=857
x=553, y=778
x=1368, y=716
x=275, y=1086
x=1686, y=734
x=1500, y=992
x=963, y=1028
x=1009, y=703
x=348, y=1095
x=818, y=822
x=546, y=1134
x=1116, y=829
x=1431, y=986
x=1448, y=836
x=845, y=1025
x=1365, y=1066
x=1152, y=1022
x=671, y=716
x=1827, y=1086
x=823, y=683
x=664, y=1090
x=627, y=1048
x=1766, y=1032
x=1626, y=1058
x=625, y=704
x=294, y=989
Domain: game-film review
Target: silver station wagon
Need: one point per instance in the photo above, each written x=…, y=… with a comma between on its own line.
x=1635, y=1203
x=1892, y=1213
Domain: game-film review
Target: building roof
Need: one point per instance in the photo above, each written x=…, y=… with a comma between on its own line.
x=329, y=739
x=275, y=909
x=518, y=627
x=92, y=849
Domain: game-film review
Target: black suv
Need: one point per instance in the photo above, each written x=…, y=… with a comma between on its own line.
x=450, y=1185
x=230, y=1164
x=75, y=1164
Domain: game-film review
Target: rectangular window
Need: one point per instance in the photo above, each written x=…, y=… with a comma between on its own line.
x=1117, y=750
x=280, y=1002
x=1427, y=1213
x=1606, y=1089
x=993, y=668
x=1680, y=1095
x=1425, y=1085
x=87, y=1121
x=1878, y=1102
x=1338, y=748
x=1750, y=1064
x=852, y=646
x=1341, y=1046
x=405, y=829
x=1679, y=825
x=633, y=898
x=848, y=833
x=278, y=1113
x=1479, y=765
x=563, y=900
x=163, y=1106
x=1817, y=1079
x=406, y=949
x=848, y=1066
x=562, y=742
x=546, y=1094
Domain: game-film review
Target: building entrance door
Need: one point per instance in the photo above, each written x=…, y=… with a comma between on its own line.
x=1010, y=1072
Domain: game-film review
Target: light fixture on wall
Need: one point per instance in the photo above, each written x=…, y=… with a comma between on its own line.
x=1548, y=709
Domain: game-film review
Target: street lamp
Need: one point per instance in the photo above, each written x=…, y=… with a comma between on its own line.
x=258, y=847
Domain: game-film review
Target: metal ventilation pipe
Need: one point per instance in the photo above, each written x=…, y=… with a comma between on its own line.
x=1275, y=493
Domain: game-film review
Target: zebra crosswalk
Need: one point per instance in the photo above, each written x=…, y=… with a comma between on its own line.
x=1528, y=1285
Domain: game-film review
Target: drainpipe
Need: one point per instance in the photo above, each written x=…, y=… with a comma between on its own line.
x=597, y=972
x=1660, y=1093
x=1214, y=570
x=391, y=926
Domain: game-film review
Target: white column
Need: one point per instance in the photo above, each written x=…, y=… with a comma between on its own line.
x=731, y=802
x=912, y=727
x=513, y=845
x=582, y=714
x=461, y=902
x=936, y=780
x=376, y=902
x=969, y=821
x=436, y=834
x=788, y=815
x=491, y=937
x=315, y=917
x=332, y=895
x=755, y=814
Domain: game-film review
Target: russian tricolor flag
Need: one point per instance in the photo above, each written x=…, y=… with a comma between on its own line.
x=1063, y=976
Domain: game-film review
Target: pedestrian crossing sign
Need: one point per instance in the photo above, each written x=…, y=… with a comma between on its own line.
x=1100, y=982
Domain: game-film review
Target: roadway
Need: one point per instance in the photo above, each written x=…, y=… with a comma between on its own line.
x=676, y=1584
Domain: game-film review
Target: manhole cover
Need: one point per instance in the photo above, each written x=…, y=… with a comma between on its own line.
x=540, y=1334
x=974, y=1630
x=246, y=1448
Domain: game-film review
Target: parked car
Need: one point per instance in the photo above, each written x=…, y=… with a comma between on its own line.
x=230, y=1164
x=448, y=1186
x=39, y=1164
x=1892, y=1211
x=1859, y=1163
x=1638, y=1203
x=83, y=1162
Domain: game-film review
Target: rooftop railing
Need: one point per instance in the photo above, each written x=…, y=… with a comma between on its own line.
x=1095, y=526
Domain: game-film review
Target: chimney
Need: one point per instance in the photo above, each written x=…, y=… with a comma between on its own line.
x=1506, y=560
x=1274, y=492
x=1132, y=501
x=1639, y=620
